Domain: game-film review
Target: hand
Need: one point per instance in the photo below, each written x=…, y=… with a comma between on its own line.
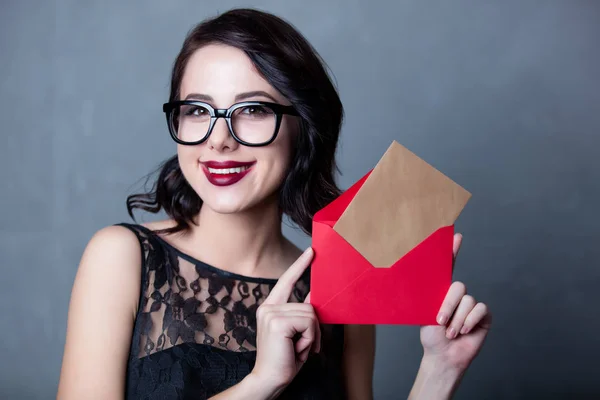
x=463, y=326
x=286, y=332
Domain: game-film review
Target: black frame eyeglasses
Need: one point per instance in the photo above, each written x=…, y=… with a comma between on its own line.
x=170, y=109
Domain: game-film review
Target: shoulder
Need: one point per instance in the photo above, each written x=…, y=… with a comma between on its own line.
x=112, y=262
x=117, y=243
x=114, y=237
x=102, y=309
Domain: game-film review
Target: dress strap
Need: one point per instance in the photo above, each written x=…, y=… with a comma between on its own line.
x=136, y=229
x=142, y=237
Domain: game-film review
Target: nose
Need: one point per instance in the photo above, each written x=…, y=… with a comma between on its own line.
x=220, y=138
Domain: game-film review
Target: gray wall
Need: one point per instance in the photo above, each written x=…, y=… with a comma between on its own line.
x=503, y=96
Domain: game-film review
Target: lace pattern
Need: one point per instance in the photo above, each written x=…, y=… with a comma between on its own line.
x=187, y=301
x=195, y=330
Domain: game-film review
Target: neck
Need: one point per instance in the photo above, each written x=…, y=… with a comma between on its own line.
x=248, y=243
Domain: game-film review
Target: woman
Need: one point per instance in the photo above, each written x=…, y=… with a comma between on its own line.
x=218, y=311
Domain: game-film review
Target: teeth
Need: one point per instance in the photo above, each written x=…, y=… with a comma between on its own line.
x=224, y=171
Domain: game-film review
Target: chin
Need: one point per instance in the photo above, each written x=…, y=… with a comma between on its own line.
x=225, y=208
x=224, y=204
x=232, y=203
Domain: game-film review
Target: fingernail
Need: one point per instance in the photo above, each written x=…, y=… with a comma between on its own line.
x=451, y=333
x=441, y=319
x=464, y=330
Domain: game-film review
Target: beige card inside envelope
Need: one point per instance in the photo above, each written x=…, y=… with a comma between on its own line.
x=402, y=202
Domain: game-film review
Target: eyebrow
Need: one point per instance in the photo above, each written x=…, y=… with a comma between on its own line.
x=239, y=97
x=198, y=96
x=256, y=93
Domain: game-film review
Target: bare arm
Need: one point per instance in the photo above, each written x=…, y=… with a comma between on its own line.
x=102, y=309
x=435, y=381
x=248, y=389
x=359, y=359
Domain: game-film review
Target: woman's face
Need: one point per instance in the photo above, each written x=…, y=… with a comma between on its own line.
x=222, y=76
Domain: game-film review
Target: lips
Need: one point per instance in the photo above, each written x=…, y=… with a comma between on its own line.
x=225, y=173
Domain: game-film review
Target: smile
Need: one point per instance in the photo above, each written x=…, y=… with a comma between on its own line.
x=225, y=173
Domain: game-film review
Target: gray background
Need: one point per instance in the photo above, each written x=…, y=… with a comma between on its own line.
x=502, y=96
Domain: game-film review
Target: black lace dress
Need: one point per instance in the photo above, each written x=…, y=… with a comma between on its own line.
x=195, y=330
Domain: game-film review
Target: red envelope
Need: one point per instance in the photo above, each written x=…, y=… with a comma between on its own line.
x=357, y=276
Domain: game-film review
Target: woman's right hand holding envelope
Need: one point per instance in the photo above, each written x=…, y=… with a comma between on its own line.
x=286, y=333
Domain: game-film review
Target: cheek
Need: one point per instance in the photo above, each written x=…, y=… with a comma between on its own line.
x=188, y=151
x=188, y=159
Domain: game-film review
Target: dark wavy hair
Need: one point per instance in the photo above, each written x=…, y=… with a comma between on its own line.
x=293, y=67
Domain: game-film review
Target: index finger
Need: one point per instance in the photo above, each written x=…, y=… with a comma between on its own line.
x=285, y=285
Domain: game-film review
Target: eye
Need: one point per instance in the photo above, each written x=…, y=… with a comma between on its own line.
x=256, y=110
x=196, y=111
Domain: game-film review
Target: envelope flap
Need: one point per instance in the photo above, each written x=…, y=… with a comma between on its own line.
x=331, y=213
x=403, y=201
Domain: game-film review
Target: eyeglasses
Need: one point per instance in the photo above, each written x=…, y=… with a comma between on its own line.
x=251, y=123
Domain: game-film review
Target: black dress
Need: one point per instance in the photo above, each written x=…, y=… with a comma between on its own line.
x=195, y=330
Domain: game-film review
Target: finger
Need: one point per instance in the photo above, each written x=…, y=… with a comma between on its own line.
x=317, y=344
x=276, y=317
x=298, y=310
x=456, y=243
x=293, y=323
x=455, y=293
x=464, y=308
x=282, y=291
x=289, y=326
x=456, y=246
x=309, y=335
x=288, y=307
x=292, y=313
x=476, y=316
x=303, y=356
x=285, y=320
x=307, y=299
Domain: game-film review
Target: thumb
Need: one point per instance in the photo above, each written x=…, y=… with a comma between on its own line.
x=307, y=299
x=457, y=241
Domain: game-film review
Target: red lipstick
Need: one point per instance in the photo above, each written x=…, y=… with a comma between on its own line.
x=225, y=173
